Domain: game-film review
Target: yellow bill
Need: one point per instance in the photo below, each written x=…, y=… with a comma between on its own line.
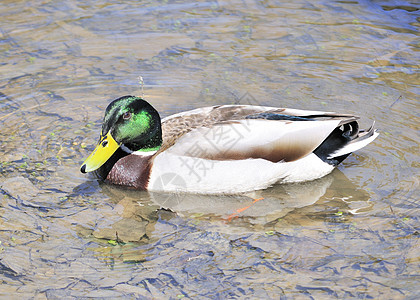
x=103, y=151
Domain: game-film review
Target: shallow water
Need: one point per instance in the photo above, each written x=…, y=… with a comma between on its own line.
x=352, y=234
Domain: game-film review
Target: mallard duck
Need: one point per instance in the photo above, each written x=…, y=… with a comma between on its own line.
x=220, y=149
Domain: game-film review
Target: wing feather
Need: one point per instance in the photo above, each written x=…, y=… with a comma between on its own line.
x=254, y=138
x=175, y=126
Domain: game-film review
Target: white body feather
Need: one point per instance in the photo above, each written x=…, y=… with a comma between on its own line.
x=174, y=173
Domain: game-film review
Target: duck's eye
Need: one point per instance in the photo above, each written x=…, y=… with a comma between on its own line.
x=127, y=115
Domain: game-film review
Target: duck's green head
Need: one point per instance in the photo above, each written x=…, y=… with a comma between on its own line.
x=130, y=123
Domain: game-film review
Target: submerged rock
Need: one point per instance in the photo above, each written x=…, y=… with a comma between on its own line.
x=25, y=192
x=20, y=188
x=125, y=230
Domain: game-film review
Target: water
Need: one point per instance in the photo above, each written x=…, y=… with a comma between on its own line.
x=352, y=234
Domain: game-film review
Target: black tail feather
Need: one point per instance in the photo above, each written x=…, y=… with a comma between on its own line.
x=340, y=137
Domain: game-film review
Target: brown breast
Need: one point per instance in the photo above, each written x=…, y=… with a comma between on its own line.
x=132, y=171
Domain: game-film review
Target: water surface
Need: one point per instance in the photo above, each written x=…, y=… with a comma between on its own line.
x=352, y=234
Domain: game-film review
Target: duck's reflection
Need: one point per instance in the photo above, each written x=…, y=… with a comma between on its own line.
x=278, y=200
x=256, y=207
x=135, y=215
